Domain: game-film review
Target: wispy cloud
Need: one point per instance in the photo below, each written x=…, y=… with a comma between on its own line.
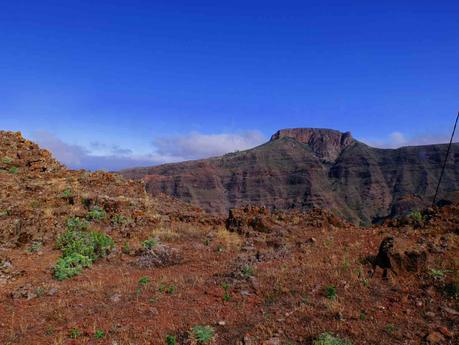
x=197, y=145
x=399, y=139
x=165, y=149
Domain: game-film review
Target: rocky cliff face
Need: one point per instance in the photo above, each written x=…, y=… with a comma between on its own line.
x=304, y=168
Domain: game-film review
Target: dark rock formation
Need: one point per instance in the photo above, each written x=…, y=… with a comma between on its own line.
x=304, y=168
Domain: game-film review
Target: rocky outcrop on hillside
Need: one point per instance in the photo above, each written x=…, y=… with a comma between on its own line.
x=304, y=168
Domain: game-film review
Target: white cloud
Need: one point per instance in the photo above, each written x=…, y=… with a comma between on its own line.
x=165, y=150
x=398, y=139
x=197, y=145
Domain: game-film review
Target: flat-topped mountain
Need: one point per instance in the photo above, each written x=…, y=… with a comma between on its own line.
x=308, y=167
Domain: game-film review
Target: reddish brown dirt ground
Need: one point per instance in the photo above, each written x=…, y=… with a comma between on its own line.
x=276, y=268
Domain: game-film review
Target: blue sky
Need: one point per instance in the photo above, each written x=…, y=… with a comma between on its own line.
x=110, y=84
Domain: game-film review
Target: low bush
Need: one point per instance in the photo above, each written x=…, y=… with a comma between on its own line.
x=79, y=250
x=203, y=334
x=96, y=213
x=328, y=339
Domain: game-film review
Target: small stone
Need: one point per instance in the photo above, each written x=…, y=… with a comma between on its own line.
x=52, y=291
x=445, y=331
x=221, y=323
x=418, y=303
x=272, y=341
x=450, y=311
x=115, y=298
x=435, y=338
x=430, y=315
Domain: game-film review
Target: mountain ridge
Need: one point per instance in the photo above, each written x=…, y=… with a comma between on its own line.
x=311, y=167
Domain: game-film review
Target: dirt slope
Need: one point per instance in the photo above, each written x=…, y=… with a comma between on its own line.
x=255, y=276
x=301, y=168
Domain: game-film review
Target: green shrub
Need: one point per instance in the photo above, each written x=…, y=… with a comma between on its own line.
x=226, y=295
x=328, y=339
x=203, y=334
x=330, y=292
x=13, y=170
x=143, y=281
x=165, y=288
x=66, y=194
x=99, y=334
x=70, y=266
x=247, y=271
x=96, y=213
x=150, y=243
x=35, y=247
x=416, y=216
x=74, y=333
x=76, y=223
x=437, y=274
x=171, y=340
x=79, y=250
x=119, y=219
x=7, y=160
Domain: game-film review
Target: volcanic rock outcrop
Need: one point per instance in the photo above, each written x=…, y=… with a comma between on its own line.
x=303, y=168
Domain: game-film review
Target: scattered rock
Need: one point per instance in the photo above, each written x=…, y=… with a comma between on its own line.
x=435, y=338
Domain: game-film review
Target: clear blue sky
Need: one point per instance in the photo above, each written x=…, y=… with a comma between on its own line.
x=133, y=75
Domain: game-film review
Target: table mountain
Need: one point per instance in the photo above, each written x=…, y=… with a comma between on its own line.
x=308, y=167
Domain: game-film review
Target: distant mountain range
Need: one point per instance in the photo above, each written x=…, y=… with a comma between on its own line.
x=310, y=167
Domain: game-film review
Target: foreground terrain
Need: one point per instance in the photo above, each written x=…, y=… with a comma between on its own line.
x=175, y=273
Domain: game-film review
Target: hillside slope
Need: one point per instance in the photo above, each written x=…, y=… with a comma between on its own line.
x=304, y=168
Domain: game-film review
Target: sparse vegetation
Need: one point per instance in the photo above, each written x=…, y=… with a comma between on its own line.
x=247, y=271
x=79, y=250
x=171, y=340
x=437, y=273
x=203, y=334
x=416, y=216
x=328, y=339
x=144, y=281
x=150, y=243
x=74, y=333
x=7, y=160
x=77, y=224
x=330, y=292
x=226, y=294
x=119, y=219
x=167, y=288
x=35, y=247
x=100, y=334
x=96, y=213
x=13, y=170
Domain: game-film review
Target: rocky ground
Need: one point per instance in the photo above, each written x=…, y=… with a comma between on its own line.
x=253, y=277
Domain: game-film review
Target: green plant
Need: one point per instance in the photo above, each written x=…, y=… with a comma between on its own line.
x=7, y=160
x=416, y=216
x=144, y=281
x=74, y=333
x=79, y=250
x=66, y=194
x=165, y=288
x=437, y=274
x=390, y=328
x=363, y=316
x=70, y=266
x=203, y=334
x=76, y=223
x=100, y=334
x=96, y=213
x=226, y=295
x=330, y=292
x=119, y=219
x=328, y=339
x=35, y=247
x=13, y=170
x=171, y=340
x=247, y=271
x=150, y=243
x=125, y=249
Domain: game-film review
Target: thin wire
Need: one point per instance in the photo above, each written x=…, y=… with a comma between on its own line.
x=446, y=160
